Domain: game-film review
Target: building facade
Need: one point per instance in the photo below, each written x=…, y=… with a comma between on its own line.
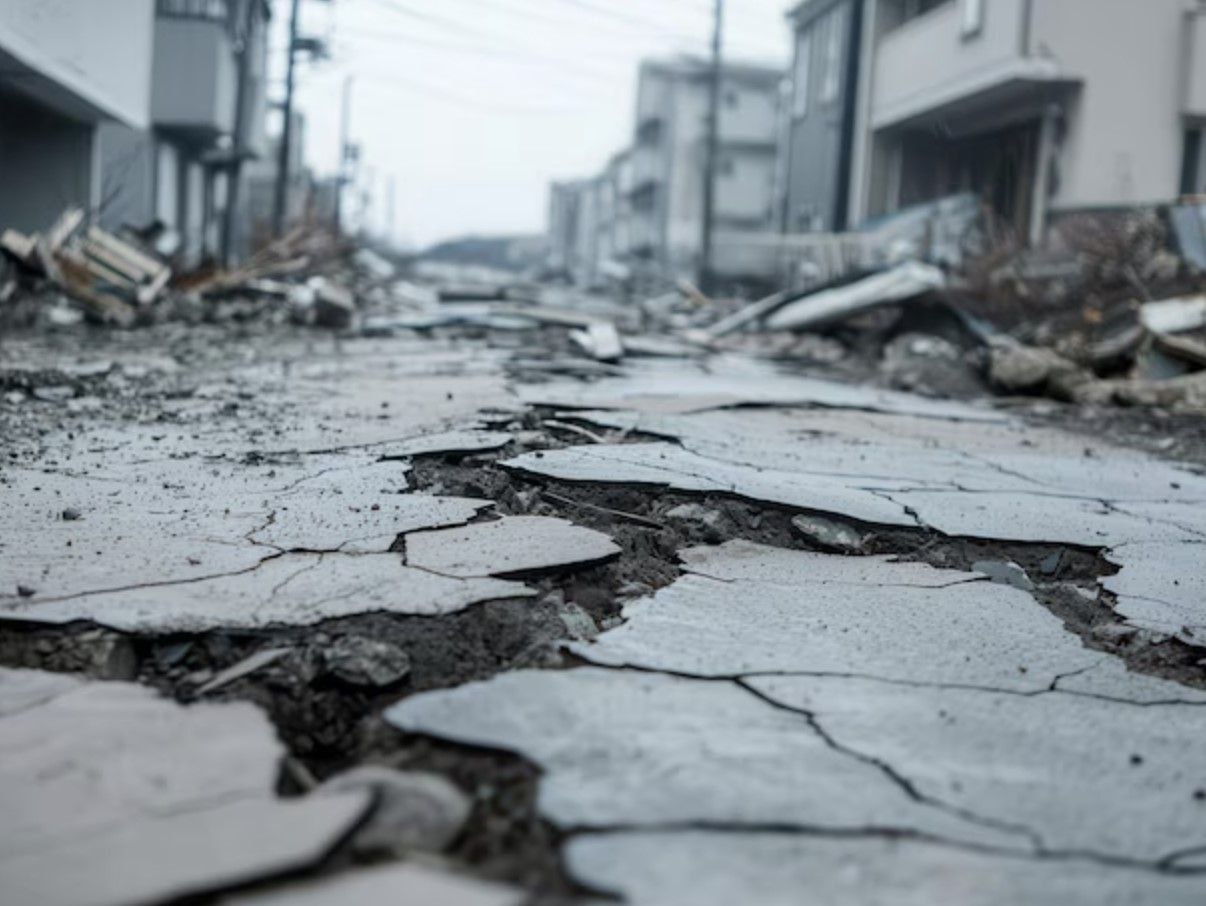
x=643, y=215
x=1038, y=107
x=137, y=111
x=820, y=120
x=668, y=154
x=66, y=71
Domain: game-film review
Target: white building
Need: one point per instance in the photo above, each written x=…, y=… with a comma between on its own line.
x=1040, y=107
x=66, y=69
x=668, y=154
x=645, y=210
x=128, y=109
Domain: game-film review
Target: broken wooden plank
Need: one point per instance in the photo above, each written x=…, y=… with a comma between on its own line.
x=20, y=246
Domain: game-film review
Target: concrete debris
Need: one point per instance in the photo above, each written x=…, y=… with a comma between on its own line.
x=1008, y=573
x=822, y=613
x=334, y=305
x=904, y=282
x=829, y=535
x=413, y=812
x=93, y=772
x=363, y=661
x=511, y=546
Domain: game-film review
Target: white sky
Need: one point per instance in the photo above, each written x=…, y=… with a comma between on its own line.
x=473, y=106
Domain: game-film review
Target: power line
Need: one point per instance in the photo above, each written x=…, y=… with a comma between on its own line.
x=479, y=103
x=533, y=58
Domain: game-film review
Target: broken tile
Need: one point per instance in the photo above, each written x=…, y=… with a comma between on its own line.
x=718, y=868
x=1081, y=774
x=633, y=749
x=749, y=609
x=403, y=884
x=286, y=590
x=511, y=546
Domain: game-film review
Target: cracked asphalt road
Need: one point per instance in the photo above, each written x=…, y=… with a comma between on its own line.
x=587, y=604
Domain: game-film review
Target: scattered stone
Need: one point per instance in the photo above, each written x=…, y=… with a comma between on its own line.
x=366, y=662
x=828, y=534
x=1004, y=573
x=70, y=514
x=414, y=811
x=579, y=624
x=708, y=520
x=26, y=591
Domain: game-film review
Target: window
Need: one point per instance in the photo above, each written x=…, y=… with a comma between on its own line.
x=213, y=10
x=832, y=79
x=1191, y=163
x=973, y=18
x=800, y=84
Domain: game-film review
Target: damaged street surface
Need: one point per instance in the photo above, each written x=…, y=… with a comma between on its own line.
x=478, y=596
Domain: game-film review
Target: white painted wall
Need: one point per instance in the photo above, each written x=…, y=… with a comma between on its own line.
x=921, y=61
x=97, y=52
x=1126, y=127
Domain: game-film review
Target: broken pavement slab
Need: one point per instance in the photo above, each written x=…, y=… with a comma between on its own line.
x=721, y=868
x=1161, y=586
x=669, y=465
x=284, y=590
x=95, y=772
x=746, y=609
x=1083, y=775
x=679, y=387
x=630, y=749
x=511, y=546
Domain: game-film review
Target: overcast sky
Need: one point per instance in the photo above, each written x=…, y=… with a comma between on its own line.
x=473, y=106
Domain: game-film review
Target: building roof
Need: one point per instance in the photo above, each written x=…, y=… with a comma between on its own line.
x=689, y=66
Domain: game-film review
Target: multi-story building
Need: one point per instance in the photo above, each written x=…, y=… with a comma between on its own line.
x=136, y=111
x=1040, y=107
x=645, y=211
x=67, y=70
x=668, y=155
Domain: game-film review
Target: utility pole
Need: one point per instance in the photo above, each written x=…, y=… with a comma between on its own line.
x=345, y=118
x=282, y=161
x=712, y=141
x=234, y=171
